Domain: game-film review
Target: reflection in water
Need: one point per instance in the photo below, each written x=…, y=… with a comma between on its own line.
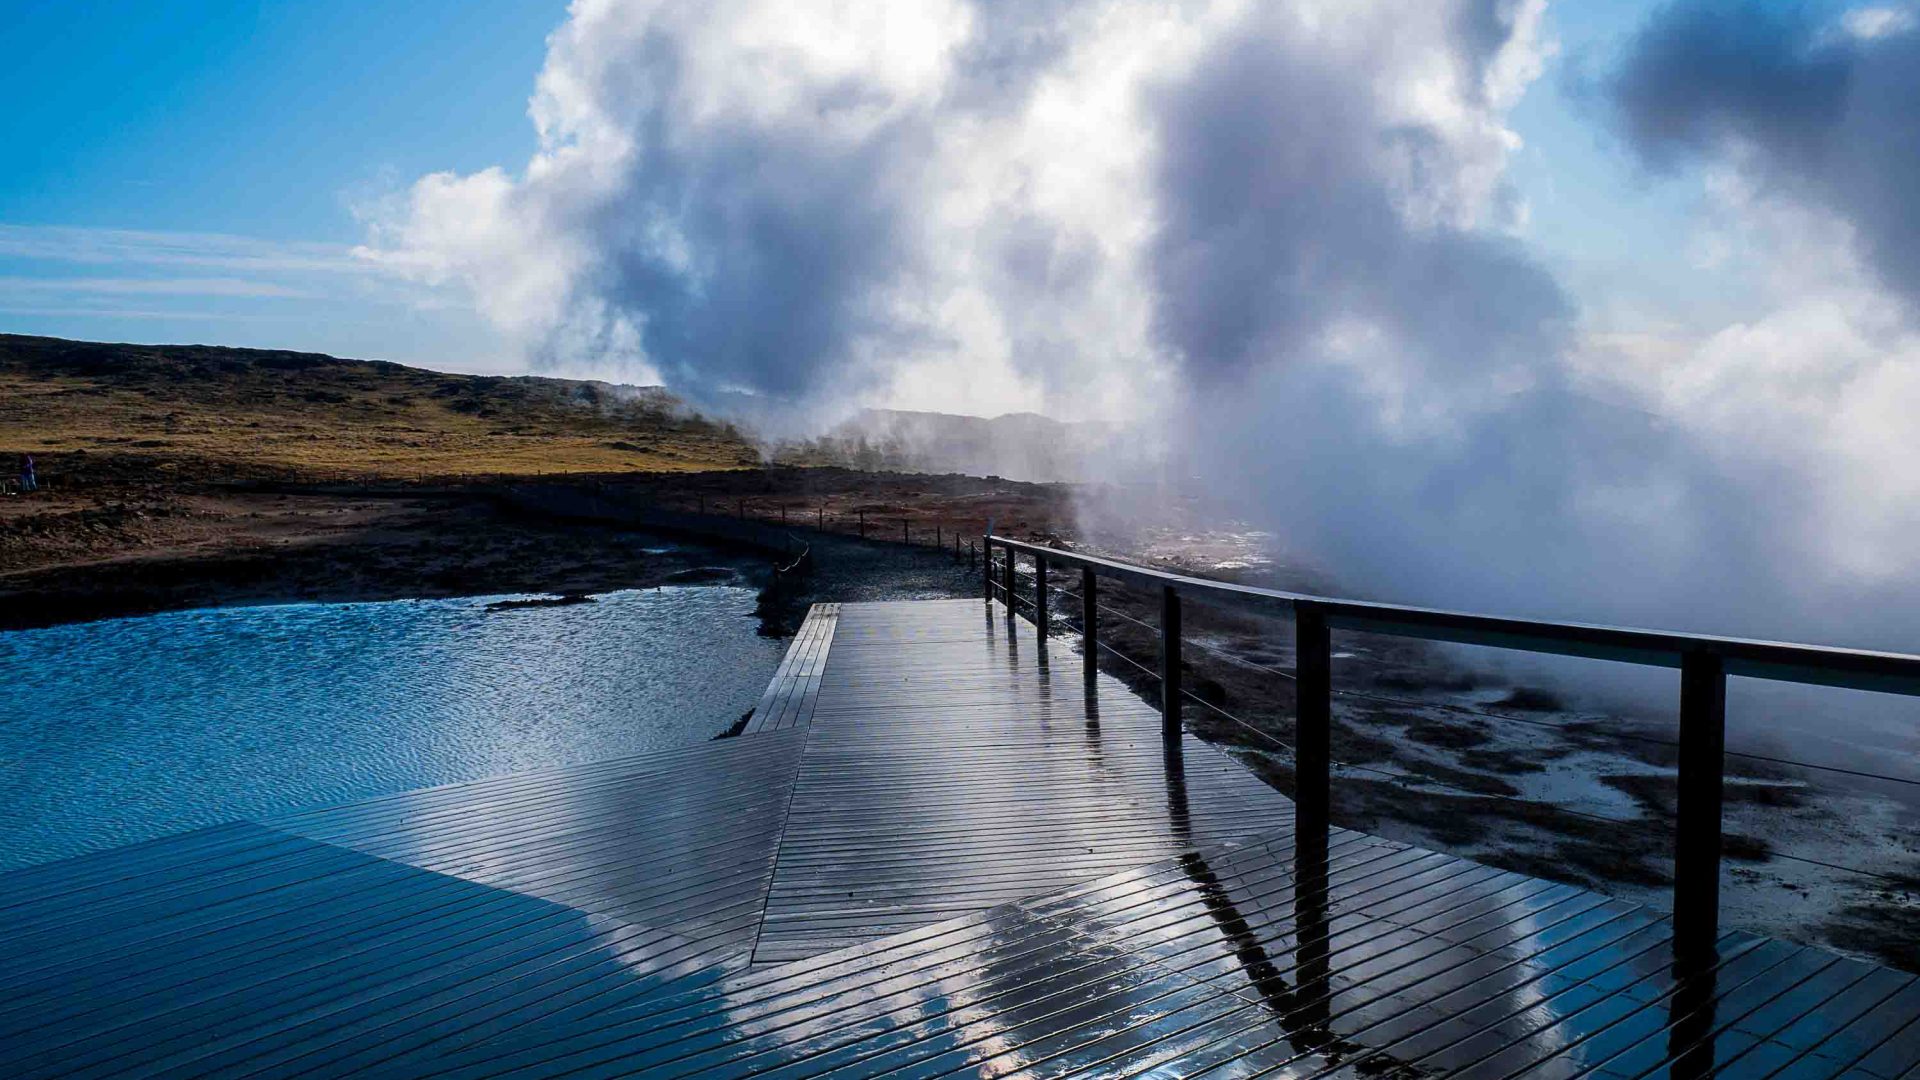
x=117, y=731
x=1301, y=1013
x=1301, y=1007
x=1312, y=934
x=1262, y=973
x=1179, y=814
x=1690, y=1043
x=1095, y=746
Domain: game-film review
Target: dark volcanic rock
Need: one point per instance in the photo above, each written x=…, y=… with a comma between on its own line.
x=568, y=600
x=700, y=575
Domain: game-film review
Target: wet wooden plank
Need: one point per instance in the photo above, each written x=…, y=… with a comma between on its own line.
x=379, y=933
x=692, y=855
x=790, y=695
x=938, y=854
x=1007, y=777
x=1218, y=953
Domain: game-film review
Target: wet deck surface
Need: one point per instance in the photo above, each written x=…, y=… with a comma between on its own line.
x=949, y=770
x=933, y=852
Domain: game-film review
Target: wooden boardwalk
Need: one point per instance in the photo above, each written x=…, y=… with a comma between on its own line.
x=948, y=770
x=936, y=851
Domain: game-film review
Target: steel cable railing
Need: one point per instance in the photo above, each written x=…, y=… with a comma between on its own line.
x=1424, y=781
x=1406, y=779
x=1490, y=714
x=1705, y=663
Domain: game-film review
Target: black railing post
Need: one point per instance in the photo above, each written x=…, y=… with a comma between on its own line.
x=1696, y=848
x=1008, y=570
x=863, y=524
x=1313, y=725
x=820, y=518
x=1040, y=595
x=1169, y=663
x=903, y=532
x=986, y=576
x=1312, y=778
x=938, y=541
x=970, y=555
x=1089, y=621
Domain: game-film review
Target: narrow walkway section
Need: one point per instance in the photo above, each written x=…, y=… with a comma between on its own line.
x=953, y=765
x=790, y=697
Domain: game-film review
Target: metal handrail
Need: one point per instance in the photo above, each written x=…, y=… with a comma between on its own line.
x=1858, y=669
x=1704, y=660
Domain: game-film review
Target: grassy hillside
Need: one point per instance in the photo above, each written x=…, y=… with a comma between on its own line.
x=316, y=416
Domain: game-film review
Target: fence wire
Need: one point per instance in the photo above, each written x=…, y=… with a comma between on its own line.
x=1417, y=781
x=1473, y=711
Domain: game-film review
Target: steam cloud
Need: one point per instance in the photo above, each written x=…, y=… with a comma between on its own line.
x=826, y=205
x=1279, y=234
x=1812, y=113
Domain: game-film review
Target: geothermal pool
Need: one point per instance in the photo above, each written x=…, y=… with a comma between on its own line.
x=118, y=731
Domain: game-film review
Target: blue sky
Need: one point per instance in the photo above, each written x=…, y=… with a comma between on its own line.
x=264, y=121
x=258, y=119
x=1594, y=215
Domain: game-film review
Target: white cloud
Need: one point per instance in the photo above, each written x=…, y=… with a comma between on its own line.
x=181, y=315
x=1815, y=389
x=944, y=205
x=81, y=282
x=1867, y=23
x=69, y=244
x=165, y=286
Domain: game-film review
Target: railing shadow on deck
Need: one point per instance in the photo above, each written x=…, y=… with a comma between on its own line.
x=1704, y=663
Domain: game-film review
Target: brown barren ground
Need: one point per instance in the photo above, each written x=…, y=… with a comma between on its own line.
x=187, y=476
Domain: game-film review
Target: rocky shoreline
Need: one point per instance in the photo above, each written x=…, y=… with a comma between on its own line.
x=129, y=542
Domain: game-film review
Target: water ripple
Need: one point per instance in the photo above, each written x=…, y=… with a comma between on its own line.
x=117, y=731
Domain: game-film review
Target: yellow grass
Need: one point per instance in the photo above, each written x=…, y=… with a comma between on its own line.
x=340, y=418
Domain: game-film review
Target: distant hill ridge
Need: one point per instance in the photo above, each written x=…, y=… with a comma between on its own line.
x=317, y=414
x=313, y=414
x=1020, y=446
